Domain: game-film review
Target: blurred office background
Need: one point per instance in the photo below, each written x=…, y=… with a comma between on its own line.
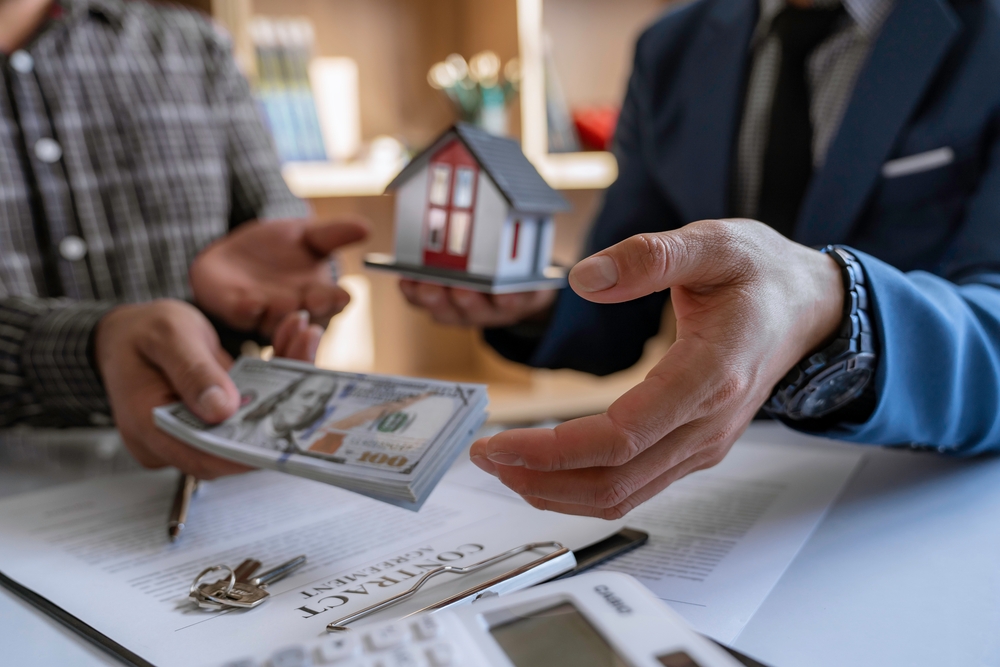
x=381, y=77
x=350, y=89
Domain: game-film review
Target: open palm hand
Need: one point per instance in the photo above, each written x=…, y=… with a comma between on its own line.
x=257, y=275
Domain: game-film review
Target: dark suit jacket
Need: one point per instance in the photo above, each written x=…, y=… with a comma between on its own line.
x=929, y=241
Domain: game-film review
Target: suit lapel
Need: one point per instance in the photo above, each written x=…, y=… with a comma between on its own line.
x=904, y=58
x=692, y=143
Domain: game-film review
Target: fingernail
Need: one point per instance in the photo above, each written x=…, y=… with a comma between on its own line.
x=303, y=316
x=484, y=464
x=595, y=274
x=506, y=458
x=315, y=337
x=313, y=350
x=213, y=401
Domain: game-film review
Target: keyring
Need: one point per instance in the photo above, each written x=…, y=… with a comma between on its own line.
x=194, y=592
x=219, y=601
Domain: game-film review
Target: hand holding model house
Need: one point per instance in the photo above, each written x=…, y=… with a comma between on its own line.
x=472, y=212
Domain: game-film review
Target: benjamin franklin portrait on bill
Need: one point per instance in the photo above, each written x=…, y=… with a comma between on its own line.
x=274, y=423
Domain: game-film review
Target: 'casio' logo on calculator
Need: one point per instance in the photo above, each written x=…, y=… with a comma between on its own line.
x=616, y=602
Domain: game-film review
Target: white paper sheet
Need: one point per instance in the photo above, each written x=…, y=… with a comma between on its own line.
x=99, y=550
x=721, y=538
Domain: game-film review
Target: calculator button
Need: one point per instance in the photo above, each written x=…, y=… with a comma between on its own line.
x=294, y=656
x=401, y=657
x=426, y=627
x=245, y=662
x=337, y=648
x=385, y=637
x=441, y=655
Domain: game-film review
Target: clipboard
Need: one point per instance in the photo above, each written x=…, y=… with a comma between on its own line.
x=584, y=558
x=558, y=563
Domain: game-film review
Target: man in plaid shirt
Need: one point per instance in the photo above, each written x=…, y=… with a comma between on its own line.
x=134, y=178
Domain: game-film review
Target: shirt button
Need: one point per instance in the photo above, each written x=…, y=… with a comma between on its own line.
x=21, y=61
x=73, y=248
x=48, y=150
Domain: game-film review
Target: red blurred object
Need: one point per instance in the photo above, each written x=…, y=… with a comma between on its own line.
x=596, y=126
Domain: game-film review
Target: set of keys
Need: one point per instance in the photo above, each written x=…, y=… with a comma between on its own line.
x=239, y=588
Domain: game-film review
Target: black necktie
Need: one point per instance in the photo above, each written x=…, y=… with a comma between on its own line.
x=788, y=162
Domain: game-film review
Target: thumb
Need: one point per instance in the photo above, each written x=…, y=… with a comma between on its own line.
x=648, y=263
x=194, y=371
x=325, y=237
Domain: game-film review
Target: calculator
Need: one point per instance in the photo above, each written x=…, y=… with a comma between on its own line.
x=599, y=619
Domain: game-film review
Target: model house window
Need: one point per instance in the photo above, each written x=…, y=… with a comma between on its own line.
x=515, y=238
x=440, y=184
x=464, y=178
x=436, y=220
x=458, y=232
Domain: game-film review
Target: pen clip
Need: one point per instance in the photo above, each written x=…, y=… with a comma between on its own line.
x=562, y=557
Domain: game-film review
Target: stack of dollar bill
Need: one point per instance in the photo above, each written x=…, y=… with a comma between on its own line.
x=390, y=438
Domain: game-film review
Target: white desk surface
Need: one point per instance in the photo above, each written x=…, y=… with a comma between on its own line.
x=904, y=571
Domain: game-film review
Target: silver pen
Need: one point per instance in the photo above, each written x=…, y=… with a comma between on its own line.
x=186, y=486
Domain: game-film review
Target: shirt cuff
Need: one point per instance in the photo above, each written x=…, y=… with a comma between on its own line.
x=58, y=364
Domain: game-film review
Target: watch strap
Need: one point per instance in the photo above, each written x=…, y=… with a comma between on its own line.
x=854, y=346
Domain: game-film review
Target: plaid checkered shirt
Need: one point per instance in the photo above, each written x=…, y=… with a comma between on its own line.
x=128, y=142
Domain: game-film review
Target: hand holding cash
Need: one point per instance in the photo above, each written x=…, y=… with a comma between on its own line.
x=149, y=354
x=390, y=438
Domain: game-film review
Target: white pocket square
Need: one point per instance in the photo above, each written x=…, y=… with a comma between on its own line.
x=914, y=164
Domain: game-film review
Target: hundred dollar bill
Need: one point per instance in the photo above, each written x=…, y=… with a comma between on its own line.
x=381, y=435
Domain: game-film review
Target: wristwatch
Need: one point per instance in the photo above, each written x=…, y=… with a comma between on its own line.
x=830, y=379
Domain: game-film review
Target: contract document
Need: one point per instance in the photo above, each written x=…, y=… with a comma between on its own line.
x=720, y=539
x=99, y=551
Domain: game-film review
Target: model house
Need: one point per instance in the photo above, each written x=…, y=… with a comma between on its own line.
x=472, y=211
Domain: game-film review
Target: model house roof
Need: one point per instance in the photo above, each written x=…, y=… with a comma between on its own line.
x=516, y=178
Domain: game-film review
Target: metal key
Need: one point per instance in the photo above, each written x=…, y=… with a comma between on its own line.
x=252, y=593
x=249, y=594
x=246, y=569
x=220, y=588
x=213, y=595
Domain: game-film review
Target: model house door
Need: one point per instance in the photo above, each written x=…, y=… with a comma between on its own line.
x=451, y=201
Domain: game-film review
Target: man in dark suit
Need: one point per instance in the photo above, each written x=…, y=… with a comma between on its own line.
x=868, y=125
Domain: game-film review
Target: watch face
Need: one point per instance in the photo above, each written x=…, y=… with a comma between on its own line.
x=836, y=390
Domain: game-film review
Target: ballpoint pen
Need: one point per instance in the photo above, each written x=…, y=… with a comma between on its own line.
x=186, y=486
